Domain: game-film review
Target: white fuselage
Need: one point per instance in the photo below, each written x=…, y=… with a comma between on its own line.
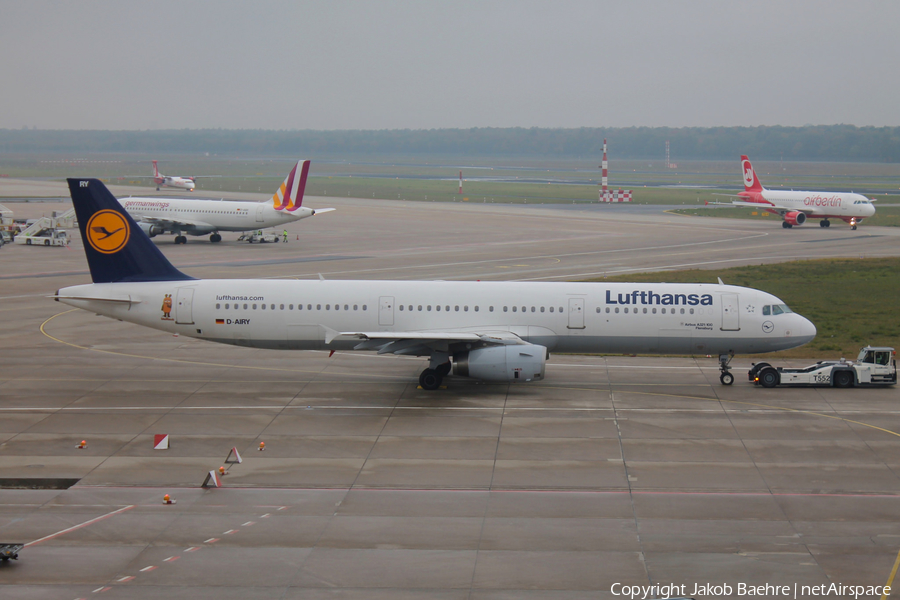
x=198, y=217
x=564, y=317
x=182, y=183
x=818, y=204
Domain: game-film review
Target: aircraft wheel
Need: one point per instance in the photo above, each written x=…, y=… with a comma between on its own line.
x=726, y=378
x=843, y=379
x=786, y=225
x=827, y=223
x=768, y=377
x=430, y=379
x=823, y=223
x=853, y=228
x=180, y=239
x=215, y=238
x=444, y=369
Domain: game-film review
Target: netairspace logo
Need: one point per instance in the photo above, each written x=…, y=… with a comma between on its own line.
x=766, y=590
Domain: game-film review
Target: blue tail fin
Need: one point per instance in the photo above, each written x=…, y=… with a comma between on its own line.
x=116, y=248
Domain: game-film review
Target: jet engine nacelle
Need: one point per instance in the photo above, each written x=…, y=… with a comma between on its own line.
x=150, y=229
x=795, y=218
x=515, y=363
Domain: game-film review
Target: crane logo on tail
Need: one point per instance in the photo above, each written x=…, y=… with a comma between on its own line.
x=749, y=177
x=107, y=231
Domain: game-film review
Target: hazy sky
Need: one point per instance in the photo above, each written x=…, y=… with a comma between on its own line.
x=419, y=64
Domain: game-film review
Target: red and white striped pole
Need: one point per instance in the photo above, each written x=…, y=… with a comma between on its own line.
x=460, y=182
x=604, y=175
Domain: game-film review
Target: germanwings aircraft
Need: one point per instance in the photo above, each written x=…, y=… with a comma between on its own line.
x=493, y=331
x=796, y=207
x=200, y=217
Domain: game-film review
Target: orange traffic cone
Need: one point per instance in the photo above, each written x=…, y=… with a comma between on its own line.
x=82, y=445
x=262, y=446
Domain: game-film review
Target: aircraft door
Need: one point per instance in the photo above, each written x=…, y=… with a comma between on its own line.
x=184, y=300
x=576, y=313
x=259, y=212
x=731, y=317
x=386, y=311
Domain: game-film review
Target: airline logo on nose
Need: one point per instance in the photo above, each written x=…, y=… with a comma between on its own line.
x=107, y=231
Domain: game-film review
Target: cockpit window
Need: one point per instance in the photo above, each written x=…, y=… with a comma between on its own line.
x=778, y=309
x=767, y=310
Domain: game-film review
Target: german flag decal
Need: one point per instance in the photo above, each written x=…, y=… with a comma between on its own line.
x=220, y=321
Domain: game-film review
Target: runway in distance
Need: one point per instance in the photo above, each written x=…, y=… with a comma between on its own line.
x=493, y=331
x=182, y=216
x=796, y=207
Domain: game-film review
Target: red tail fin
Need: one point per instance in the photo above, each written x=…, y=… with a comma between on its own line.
x=155, y=169
x=751, y=181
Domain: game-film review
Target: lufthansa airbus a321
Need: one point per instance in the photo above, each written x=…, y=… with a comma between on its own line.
x=493, y=331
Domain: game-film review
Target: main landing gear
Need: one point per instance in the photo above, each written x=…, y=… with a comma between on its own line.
x=432, y=377
x=180, y=239
x=786, y=225
x=824, y=223
x=725, y=375
x=215, y=238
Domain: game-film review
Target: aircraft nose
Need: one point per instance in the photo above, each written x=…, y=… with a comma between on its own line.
x=804, y=330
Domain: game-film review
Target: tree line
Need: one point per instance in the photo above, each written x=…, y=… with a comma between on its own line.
x=815, y=142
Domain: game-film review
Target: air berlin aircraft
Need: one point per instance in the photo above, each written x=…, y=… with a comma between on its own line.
x=796, y=207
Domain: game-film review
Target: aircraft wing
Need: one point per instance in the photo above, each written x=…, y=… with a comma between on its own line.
x=175, y=223
x=423, y=342
x=774, y=207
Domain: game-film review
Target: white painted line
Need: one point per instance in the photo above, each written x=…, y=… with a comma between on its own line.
x=211, y=541
x=248, y=523
x=229, y=532
x=126, y=578
x=192, y=549
x=265, y=516
x=150, y=568
x=79, y=526
x=171, y=559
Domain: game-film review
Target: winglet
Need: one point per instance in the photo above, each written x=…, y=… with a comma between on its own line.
x=720, y=281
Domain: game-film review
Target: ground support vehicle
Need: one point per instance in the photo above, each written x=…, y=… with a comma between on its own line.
x=874, y=366
x=47, y=231
x=258, y=236
x=10, y=551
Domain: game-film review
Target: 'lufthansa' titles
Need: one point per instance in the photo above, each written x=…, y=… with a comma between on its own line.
x=650, y=297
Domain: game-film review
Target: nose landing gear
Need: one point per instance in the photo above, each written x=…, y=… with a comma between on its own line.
x=725, y=375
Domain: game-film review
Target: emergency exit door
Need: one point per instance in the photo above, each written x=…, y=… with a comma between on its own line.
x=386, y=310
x=576, y=313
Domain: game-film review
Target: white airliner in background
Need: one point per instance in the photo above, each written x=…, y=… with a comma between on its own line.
x=182, y=183
x=796, y=207
x=494, y=331
x=201, y=217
